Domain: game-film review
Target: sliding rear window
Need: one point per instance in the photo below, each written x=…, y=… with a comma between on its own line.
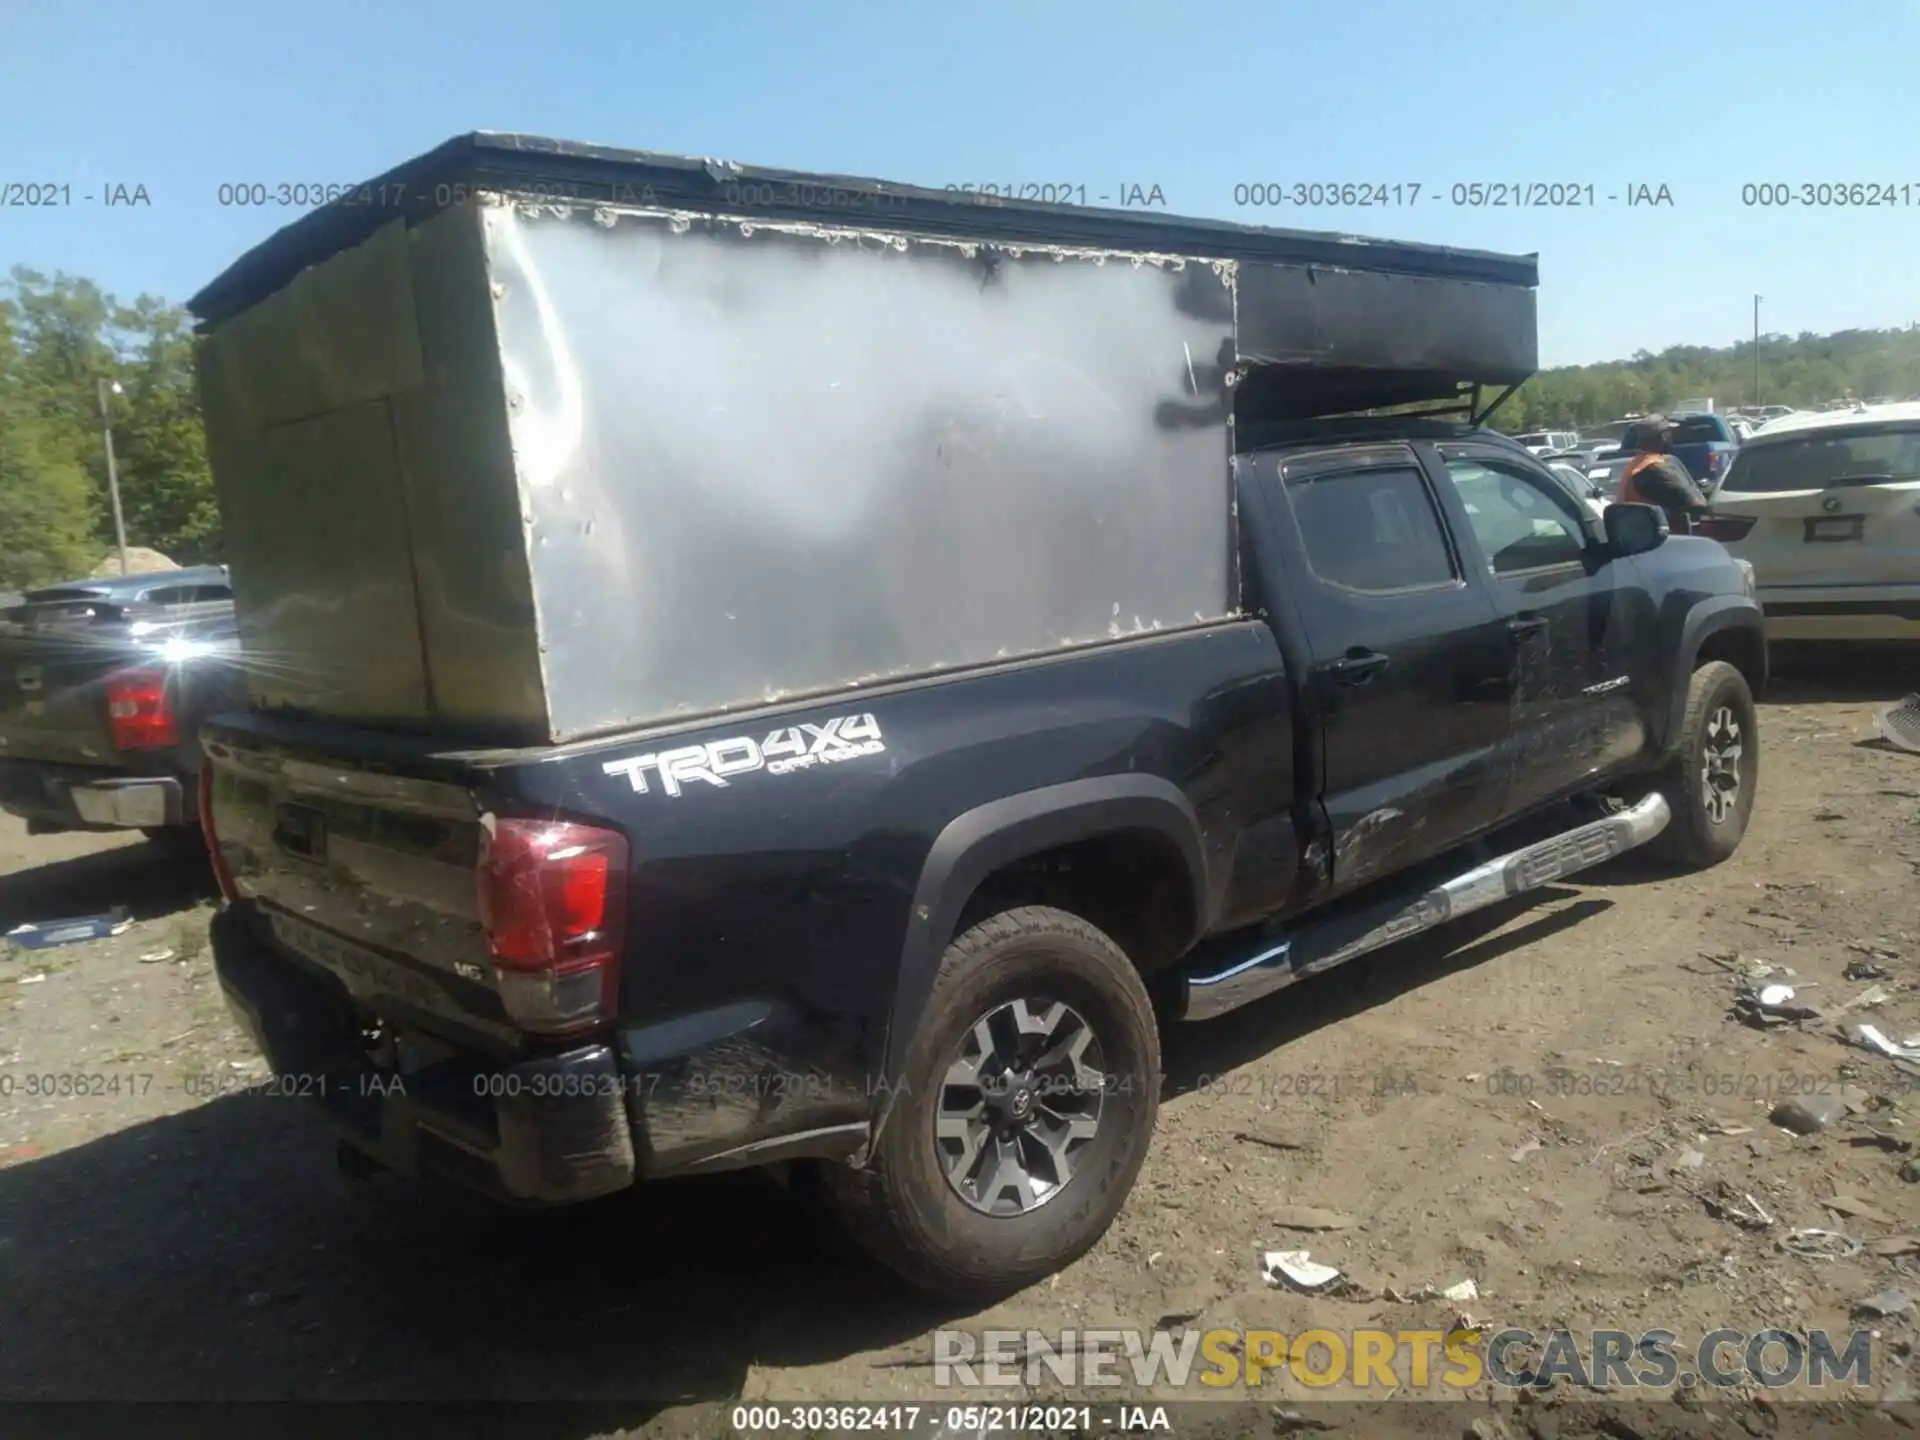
x=1815, y=461
x=1701, y=431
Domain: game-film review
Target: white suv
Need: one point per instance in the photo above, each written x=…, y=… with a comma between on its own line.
x=1549, y=442
x=1826, y=507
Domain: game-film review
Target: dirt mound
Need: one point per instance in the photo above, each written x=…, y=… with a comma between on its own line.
x=140, y=561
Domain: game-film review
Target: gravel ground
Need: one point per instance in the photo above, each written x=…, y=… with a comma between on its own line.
x=1555, y=1100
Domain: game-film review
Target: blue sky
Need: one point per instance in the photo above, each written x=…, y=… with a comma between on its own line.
x=180, y=96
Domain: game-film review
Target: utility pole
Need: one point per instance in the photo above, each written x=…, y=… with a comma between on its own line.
x=1755, y=402
x=113, y=474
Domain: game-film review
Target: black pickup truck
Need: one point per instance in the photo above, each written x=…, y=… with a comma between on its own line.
x=103, y=684
x=856, y=780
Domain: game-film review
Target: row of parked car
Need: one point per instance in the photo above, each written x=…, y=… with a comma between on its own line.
x=1824, y=504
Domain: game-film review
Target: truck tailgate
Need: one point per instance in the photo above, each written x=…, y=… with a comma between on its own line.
x=363, y=866
x=53, y=702
x=1698, y=458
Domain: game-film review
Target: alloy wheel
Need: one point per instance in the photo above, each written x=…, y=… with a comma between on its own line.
x=1018, y=1105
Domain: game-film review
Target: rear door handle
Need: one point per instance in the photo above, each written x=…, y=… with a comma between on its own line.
x=1527, y=623
x=1357, y=666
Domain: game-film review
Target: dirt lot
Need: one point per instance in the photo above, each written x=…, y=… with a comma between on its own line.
x=182, y=1238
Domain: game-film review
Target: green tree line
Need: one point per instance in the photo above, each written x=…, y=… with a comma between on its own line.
x=1803, y=371
x=60, y=336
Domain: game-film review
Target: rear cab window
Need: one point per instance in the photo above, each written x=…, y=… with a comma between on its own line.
x=1700, y=430
x=1373, y=530
x=187, y=595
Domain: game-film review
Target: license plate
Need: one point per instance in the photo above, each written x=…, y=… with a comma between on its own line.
x=1829, y=528
x=133, y=806
x=364, y=972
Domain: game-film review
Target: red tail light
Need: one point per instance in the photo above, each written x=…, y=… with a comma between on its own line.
x=141, y=711
x=1715, y=460
x=553, y=901
x=1724, y=528
x=228, y=889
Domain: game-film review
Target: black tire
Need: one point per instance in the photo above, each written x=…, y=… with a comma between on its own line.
x=1707, y=825
x=902, y=1208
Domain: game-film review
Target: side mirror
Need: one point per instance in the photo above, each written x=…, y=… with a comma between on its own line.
x=1635, y=529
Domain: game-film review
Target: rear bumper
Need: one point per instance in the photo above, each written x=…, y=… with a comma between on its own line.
x=73, y=797
x=549, y=1130
x=1842, y=612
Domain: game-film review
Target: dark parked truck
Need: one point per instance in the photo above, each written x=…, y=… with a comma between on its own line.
x=791, y=671
x=103, y=684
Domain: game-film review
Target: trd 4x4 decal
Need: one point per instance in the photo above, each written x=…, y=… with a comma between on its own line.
x=796, y=747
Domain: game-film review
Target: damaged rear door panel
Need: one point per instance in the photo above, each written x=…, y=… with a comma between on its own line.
x=1409, y=683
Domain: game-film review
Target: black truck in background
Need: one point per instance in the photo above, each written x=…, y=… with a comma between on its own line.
x=103, y=685
x=916, y=937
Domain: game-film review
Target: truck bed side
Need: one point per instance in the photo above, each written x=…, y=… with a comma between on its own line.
x=779, y=857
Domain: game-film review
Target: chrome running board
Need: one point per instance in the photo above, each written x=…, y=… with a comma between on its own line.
x=1210, y=987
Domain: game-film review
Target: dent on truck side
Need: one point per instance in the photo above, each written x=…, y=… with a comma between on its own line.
x=976, y=844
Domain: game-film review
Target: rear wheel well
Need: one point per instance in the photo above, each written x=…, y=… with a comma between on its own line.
x=1132, y=884
x=1743, y=648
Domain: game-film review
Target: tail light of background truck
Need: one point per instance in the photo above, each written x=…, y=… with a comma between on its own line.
x=1724, y=528
x=141, y=710
x=553, y=902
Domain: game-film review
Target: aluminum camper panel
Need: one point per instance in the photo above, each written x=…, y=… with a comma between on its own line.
x=301, y=442
x=762, y=461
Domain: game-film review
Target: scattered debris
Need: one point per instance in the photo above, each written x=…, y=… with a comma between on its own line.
x=1292, y=1422
x=1273, y=1140
x=1886, y=1303
x=1910, y=1172
x=45, y=934
x=33, y=979
x=1466, y=1290
x=1293, y=1267
x=1808, y=1114
x=1893, y=1247
x=1815, y=1244
x=1311, y=1217
x=1868, y=1037
x=1739, y=1207
x=1869, y=998
x=1718, y=1129
x=1854, y=1208
x=1881, y=1140
x=1771, y=1005
x=1865, y=970
x=155, y=957
x=1899, y=724
x=1689, y=1159
x=1525, y=1150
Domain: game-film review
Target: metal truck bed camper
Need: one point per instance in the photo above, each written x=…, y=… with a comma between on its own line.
x=526, y=441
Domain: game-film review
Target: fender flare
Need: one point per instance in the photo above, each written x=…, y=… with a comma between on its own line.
x=1709, y=617
x=989, y=836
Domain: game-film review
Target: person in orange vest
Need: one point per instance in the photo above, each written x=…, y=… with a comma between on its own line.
x=1656, y=477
